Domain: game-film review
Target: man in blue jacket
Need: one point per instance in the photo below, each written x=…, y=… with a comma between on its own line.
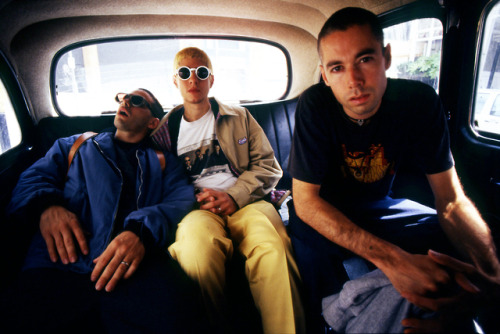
x=96, y=261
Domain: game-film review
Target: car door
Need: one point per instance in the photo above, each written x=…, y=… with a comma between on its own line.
x=476, y=122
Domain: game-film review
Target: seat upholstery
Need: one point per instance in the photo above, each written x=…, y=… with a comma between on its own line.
x=277, y=119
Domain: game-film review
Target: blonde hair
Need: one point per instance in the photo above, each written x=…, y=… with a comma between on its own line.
x=192, y=52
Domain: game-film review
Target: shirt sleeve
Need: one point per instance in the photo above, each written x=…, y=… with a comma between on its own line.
x=431, y=136
x=311, y=150
x=41, y=185
x=263, y=171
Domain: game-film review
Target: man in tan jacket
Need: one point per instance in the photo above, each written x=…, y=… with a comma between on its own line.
x=232, y=166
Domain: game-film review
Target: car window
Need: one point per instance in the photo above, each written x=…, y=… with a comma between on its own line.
x=495, y=110
x=88, y=77
x=10, y=133
x=481, y=100
x=486, y=106
x=416, y=50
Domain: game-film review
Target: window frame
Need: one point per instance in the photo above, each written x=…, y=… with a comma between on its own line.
x=482, y=136
x=80, y=44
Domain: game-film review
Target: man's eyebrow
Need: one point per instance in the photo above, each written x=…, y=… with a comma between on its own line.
x=361, y=53
x=365, y=52
x=332, y=63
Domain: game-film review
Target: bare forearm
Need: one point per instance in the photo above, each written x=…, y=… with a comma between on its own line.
x=462, y=222
x=469, y=233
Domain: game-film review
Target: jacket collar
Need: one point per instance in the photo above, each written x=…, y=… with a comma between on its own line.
x=222, y=109
x=217, y=108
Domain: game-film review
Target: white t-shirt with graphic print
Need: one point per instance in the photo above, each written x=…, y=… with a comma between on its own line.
x=204, y=161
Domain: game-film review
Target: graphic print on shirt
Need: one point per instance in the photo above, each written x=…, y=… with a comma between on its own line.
x=199, y=149
x=206, y=159
x=367, y=167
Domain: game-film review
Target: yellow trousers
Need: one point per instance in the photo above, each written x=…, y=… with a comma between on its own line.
x=204, y=242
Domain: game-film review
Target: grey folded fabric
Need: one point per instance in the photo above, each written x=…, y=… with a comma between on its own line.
x=369, y=304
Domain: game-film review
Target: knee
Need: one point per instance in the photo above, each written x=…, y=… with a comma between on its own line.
x=199, y=227
x=200, y=236
x=271, y=246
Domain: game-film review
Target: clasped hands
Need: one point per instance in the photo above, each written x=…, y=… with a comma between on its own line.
x=62, y=233
x=217, y=202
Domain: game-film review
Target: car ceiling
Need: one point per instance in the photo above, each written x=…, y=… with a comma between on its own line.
x=33, y=31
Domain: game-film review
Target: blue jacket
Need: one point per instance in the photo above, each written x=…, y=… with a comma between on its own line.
x=92, y=190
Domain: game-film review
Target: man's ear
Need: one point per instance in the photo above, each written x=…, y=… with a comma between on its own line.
x=174, y=79
x=387, y=56
x=211, y=80
x=325, y=79
x=153, y=123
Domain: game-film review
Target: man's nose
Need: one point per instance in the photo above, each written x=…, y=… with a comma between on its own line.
x=126, y=101
x=193, y=77
x=354, y=76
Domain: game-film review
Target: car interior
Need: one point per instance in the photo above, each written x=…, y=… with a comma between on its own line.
x=62, y=62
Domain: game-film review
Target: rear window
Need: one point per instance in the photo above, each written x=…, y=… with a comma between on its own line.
x=86, y=78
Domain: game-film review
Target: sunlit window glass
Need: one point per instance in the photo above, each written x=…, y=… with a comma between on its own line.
x=10, y=133
x=416, y=50
x=486, y=110
x=87, y=78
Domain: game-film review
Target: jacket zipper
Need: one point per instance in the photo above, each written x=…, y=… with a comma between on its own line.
x=141, y=178
x=121, y=189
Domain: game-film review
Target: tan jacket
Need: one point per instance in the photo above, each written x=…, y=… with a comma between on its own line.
x=244, y=144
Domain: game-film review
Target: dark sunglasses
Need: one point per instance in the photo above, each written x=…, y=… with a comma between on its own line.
x=202, y=72
x=135, y=100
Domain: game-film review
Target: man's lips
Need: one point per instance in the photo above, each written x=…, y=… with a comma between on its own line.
x=123, y=112
x=194, y=90
x=360, y=99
